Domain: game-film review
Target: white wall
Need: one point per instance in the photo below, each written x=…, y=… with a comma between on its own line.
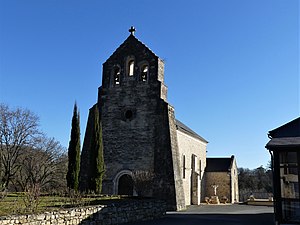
x=234, y=183
x=189, y=146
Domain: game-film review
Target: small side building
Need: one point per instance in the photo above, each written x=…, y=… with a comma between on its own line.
x=222, y=173
x=284, y=148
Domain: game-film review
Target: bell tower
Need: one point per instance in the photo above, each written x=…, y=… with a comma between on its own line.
x=138, y=125
x=133, y=65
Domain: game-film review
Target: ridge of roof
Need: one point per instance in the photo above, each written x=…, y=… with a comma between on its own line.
x=131, y=37
x=182, y=127
x=221, y=158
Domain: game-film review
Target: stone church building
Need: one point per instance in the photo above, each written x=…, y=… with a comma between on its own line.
x=140, y=131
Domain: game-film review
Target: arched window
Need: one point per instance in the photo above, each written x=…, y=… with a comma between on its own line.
x=116, y=75
x=144, y=73
x=131, y=68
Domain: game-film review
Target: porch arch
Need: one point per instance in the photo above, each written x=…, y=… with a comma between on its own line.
x=123, y=183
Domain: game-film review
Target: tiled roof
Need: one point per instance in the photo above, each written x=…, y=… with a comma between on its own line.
x=290, y=129
x=218, y=164
x=283, y=142
x=182, y=127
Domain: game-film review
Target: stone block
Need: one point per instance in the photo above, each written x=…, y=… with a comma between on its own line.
x=40, y=217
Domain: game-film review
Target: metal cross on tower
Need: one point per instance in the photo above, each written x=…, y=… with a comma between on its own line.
x=132, y=30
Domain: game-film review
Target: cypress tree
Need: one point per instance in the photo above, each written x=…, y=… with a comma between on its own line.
x=74, y=152
x=97, y=160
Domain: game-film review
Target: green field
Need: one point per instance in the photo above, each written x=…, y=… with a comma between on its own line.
x=15, y=203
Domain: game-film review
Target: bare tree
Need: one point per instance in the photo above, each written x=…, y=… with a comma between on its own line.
x=59, y=183
x=40, y=165
x=143, y=182
x=18, y=130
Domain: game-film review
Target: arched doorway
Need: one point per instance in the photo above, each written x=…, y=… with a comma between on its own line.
x=125, y=185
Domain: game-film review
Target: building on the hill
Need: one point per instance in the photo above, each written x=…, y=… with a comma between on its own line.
x=284, y=148
x=140, y=132
x=222, y=172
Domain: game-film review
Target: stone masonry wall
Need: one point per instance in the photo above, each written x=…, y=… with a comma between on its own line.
x=85, y=169
x=129, y=112
x=139, y=210
x=227, y=182
x=179, y=191
x=189, y=146
x=222, y=179
x=138, y=125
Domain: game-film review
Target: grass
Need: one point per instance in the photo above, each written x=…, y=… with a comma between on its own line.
x=14, y=203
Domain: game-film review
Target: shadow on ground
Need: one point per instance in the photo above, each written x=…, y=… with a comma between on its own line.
x=212, y=219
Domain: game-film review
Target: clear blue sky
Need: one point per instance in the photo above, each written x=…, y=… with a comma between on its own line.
x=231, y=66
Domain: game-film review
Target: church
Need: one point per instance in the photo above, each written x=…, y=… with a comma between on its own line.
x=140, y=131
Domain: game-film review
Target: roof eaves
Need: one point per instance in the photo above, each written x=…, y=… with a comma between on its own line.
x=283, y=142
x=182, y=127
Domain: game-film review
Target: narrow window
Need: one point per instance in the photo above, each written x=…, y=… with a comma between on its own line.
x=200, y=169
x=117, y=75
x=144, y=73
x=183, y=166
x=131, y=67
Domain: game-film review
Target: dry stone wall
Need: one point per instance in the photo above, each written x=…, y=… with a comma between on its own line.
x=119, y=213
